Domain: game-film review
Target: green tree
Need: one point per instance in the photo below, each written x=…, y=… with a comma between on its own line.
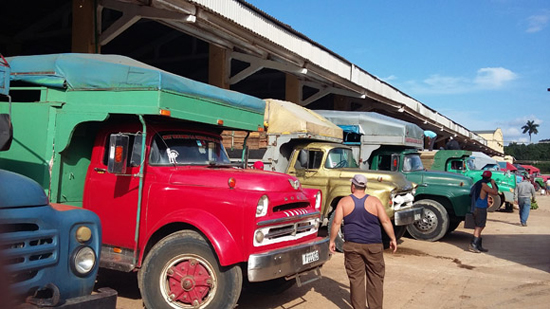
x=530, y=128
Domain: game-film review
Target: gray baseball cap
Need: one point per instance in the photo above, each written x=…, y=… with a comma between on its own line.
x=359, y=180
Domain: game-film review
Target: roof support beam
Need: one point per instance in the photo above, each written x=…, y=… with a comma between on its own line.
x=132, y=13
x=256, y=64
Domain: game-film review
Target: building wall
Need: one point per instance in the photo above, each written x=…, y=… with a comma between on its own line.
x=495, y=140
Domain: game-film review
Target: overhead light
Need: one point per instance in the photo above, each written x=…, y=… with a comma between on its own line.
x=401, y=109
x=455, y=135
x=303, y=71
x=363, y=96
x=441, y=129
x=190, y=19
x=425, y=121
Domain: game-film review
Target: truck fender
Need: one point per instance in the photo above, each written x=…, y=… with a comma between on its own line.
x=221, y=239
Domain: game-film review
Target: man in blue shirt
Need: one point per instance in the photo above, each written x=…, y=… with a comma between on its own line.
x=481, y=191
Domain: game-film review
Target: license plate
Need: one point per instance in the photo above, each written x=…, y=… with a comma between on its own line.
x=417, y=217
x=310, y=257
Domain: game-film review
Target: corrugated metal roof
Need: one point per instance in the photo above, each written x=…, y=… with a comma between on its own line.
x=273, y=30
x=300, y=47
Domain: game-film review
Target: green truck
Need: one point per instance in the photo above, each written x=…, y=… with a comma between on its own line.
x=304, y=144
x=464, y=162
x=382, y=143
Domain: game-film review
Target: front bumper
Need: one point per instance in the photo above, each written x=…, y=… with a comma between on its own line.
x=406, y=216
x=286, y=262
x=105, y=299
x=508, y=197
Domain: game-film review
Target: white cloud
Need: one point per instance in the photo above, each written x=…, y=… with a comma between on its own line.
x=538, y=22
x=512, y=132
x=485, y=79
x=490, y=78
x=389, y=78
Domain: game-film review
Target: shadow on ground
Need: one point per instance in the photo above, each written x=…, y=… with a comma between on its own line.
x=334, y=291
x=531, y=250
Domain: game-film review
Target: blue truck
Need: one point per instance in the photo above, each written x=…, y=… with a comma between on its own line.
x=49, y=254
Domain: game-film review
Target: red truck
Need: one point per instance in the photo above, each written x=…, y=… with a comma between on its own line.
x=142, y=149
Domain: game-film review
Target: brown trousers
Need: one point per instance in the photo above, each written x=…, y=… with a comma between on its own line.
x=369, y=259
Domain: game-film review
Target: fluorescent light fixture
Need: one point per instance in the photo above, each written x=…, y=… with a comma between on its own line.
x=303, y=71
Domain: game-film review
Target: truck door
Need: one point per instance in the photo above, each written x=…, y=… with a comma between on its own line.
x=113, y=197
x=305, y=165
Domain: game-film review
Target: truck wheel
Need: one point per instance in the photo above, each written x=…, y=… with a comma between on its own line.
x=182, y=271
x=399, y=231
x=433, y=225
x=493, y=202
x=453, y=224
x=339, y=241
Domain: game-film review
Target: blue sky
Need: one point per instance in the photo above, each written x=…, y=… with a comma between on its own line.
x=483, y=64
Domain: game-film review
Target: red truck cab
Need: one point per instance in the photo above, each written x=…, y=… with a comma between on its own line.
x=193, y=197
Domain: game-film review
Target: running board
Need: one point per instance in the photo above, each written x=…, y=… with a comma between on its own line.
x=316, y=276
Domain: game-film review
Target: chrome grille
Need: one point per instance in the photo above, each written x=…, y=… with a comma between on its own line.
x=286, y=231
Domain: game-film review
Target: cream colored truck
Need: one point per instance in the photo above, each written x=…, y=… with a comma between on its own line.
x=300, y=142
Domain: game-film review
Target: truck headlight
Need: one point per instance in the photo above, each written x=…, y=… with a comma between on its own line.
x=84, y=260
x=318, y=199
x=83, y=234
x=259, y=237
x=263, y=205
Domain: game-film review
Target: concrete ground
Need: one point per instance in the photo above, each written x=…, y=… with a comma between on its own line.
x=515, y=273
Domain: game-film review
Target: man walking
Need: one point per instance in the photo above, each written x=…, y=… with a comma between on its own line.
x=480, y=193
x=362, y=215
x=523, y=195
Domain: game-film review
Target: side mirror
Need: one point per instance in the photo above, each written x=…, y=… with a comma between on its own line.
x=394, y=162
x=118, y=152
x=135, y=157
x=6, y=132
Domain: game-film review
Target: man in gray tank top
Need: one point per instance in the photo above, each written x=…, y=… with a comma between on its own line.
x=362, y=215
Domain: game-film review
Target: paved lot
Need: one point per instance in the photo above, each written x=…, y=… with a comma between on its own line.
x=515, y=273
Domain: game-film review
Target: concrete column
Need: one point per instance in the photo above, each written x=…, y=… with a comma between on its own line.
x=293, y=89
x=83, y=32
x=219, y=66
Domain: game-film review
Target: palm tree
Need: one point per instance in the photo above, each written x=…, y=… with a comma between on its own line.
x=530, y=128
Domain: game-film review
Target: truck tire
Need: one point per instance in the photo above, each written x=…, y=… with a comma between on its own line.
x=433, y=225
x=339, y=241
x=493, y=202
x=182, y=271
x=453, y=224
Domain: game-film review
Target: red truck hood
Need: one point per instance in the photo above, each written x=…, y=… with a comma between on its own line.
x=245, y=179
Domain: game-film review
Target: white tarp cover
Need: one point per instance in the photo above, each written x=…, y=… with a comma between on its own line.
x=283, y=117
x=481, y=160
x=377, y=128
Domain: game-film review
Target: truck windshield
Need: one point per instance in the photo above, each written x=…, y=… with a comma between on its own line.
x=412, y=163
x=340, y=158
x=471, y=164
x=187, y=149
